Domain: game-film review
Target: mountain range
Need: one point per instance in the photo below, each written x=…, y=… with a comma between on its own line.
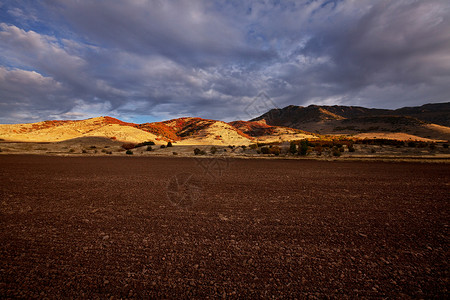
x=429, y=121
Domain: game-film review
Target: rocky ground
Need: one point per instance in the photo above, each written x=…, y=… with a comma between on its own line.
x=97, y=227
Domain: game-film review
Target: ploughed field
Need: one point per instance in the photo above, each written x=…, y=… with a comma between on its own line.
x=184, y=227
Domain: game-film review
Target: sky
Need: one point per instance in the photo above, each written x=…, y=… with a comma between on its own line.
x=145, y=61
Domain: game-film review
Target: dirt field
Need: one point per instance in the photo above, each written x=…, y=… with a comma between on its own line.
x=120, y=227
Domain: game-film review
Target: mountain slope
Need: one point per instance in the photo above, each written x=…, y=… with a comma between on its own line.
x=185, y=131
x=266, y=133
x=415, y=121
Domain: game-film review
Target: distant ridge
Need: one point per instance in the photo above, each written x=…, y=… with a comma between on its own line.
x=428, y=121
x=277, y=125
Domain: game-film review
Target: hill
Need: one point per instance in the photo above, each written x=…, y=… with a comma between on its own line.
x=428, y=121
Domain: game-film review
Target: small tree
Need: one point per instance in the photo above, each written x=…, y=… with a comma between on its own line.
x=197, y=151
x=275, y=150
x=129, y=152
x=265, y=150
x=163, y=146
x=303, y=148
x=169, y=144
x=336, y=151
x=293, y=148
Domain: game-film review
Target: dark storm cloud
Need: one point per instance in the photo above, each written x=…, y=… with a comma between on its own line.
x=75, y=59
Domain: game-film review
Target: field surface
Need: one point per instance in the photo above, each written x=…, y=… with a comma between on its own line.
x=130, y=227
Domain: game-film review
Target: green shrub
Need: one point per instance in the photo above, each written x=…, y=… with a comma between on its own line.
x=163, y=146
x=72, y=150
x=149, y=148
x=84, y=151
x=92, y=147
x=213, y=150
x=108, y=152
x=129, y=152
x=336, y=152
x=175, y=153
x=169, y=144
x=258, y=151
x=197, y=151
x=253, y=146
x=265, y=150
x=275, y=150
x=293, y=148
x=243, y=147
x=303, y=148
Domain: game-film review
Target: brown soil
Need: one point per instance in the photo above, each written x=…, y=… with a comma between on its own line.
x=120, y=226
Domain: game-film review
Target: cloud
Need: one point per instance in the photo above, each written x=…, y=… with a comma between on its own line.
x=175, y=58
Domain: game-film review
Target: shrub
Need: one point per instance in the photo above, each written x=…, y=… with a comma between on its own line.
x=197, y=151
x=163, y=146
x=213, y=150
x=258, y=151
x=243, y=147
x=372, y=150
x=445, y=146
x=103, y=150
x=411, y=144
x=128, y=146
x=253, y=146
x=336, y=152
x=148, y=143
x=422, y=145
x=92, y=147
x=341, y=149
x=108, y=152
x=303, y=148
x=275, y=150
x=72, y=150
x=432, y=146
x=174, y=153
x=293, y=148
x=84, y=151
x=149, y=148
x=1, y=150
x=169, y=144
x=129, y=152
x=318, y=148
x=351, y=148
x=265, y=150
